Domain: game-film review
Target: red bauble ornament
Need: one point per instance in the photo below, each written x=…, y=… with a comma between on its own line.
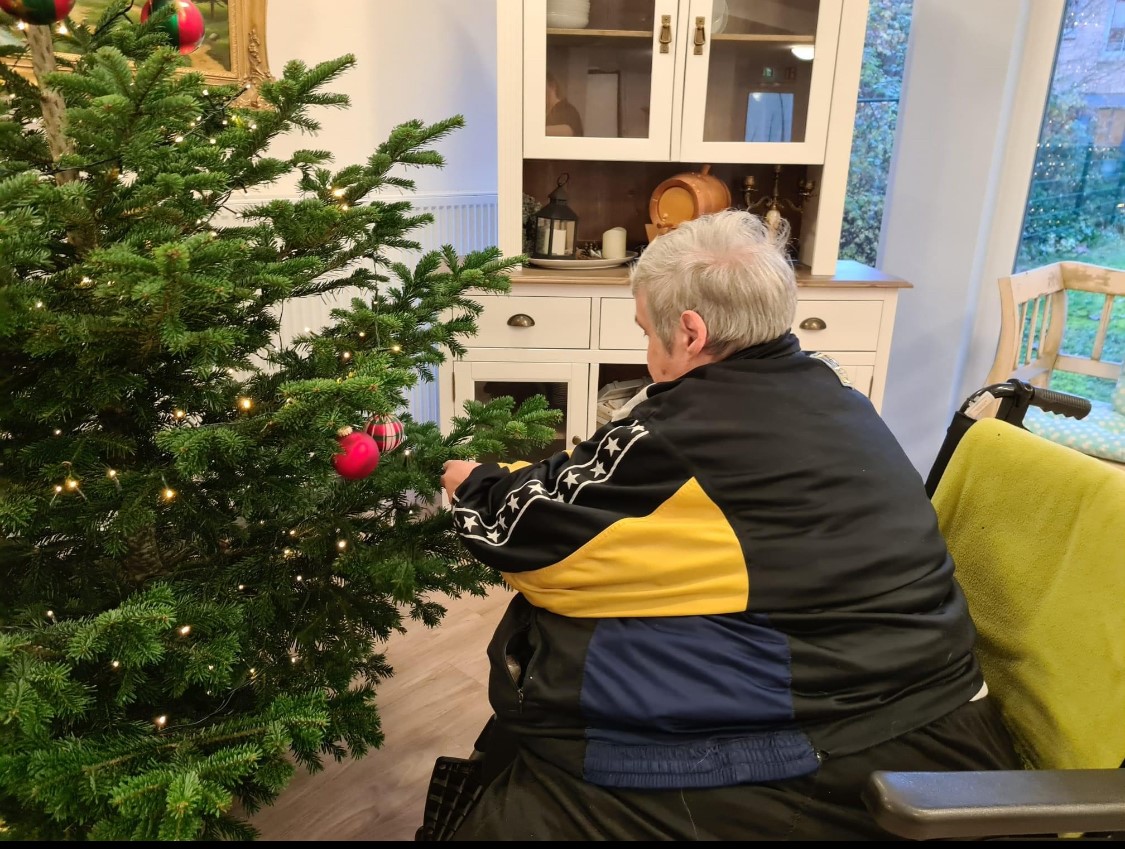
x=181, y=19
x=360, y=457
x=387, y=431
x=38, y=11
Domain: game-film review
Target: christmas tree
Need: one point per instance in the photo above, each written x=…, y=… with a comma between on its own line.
x=194, y=599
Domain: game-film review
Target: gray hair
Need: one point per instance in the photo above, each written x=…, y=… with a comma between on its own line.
x=729, y=267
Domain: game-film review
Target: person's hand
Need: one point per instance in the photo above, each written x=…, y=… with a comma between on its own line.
x=453, y=474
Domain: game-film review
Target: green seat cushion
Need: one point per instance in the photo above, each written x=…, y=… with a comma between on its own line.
x=1100, y=434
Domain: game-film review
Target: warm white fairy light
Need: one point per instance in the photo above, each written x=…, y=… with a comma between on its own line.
x=245, y=404
x=293, y=532
x=226, y=122
x=253, y=126
x=406, y=452
x=396, y=349
x=347, y=355
x=39, y=305
x=341, y=544
x=185, y=630
x=168, y=494
x=300, y=578
x=210, y=667
x=206, y=92
x=362, y=335
x=58, y=487
x=344, y=207
x=71, y=484
x=21, y=26
x=179, y=414
x=50, y=614
x=111, y=473
x=178, y=139
x=241, y=587
x=58, y=432
x=213, y=140
x=160, y=721
x=287, y=552
x=339, y=193
x=87, y=280
x=61, y=29
x=115, y=663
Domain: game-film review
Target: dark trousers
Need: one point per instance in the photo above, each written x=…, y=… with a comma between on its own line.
x=529, y=798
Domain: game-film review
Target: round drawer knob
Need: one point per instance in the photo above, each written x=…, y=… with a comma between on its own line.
x=577, y=440
x=813, y=323
x=521, y=319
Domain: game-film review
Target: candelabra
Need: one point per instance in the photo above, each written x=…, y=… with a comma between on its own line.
x=774, y=202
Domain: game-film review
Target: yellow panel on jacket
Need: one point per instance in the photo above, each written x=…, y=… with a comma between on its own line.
x=1037, y=533
x=683, y=559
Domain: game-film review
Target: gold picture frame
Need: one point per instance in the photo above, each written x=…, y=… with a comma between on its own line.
x=233, y=50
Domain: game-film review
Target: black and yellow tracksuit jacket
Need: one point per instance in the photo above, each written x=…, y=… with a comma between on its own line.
x=741, y=577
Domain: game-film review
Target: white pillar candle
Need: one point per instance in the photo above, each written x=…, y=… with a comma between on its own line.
x=613, y=243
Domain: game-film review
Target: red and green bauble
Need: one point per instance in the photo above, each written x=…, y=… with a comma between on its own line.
x=38, y=11
x=181, y=19
x=359, y=457
x=387, y=431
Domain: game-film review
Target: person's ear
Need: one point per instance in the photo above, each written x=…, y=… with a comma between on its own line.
x=694, y=331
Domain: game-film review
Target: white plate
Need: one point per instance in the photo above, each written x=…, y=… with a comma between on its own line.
x=577, y=264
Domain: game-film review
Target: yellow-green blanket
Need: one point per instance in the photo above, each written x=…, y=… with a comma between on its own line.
x=1037, y=533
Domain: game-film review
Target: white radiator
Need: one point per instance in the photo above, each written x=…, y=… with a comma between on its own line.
x=466, y=221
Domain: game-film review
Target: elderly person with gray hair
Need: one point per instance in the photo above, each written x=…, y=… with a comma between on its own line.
x=733, y=601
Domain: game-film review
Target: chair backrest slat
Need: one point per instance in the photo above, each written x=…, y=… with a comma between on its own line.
x=1103, y=327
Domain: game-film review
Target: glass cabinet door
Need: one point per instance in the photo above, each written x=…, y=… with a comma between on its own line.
x=598, y=78
x=564, y=385
x=758, y=80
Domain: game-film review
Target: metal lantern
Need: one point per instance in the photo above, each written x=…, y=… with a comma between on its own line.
x=556, y=226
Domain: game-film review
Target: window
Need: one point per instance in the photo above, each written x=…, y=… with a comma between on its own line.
x=1076, y=201
x=1115, y=38
x=884, y=57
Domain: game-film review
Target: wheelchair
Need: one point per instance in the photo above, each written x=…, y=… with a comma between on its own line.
x=1086, y=796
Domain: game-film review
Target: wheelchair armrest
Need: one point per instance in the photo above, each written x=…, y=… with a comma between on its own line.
x=943, y=805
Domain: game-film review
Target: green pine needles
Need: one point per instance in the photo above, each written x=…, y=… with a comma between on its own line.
x=192, y=599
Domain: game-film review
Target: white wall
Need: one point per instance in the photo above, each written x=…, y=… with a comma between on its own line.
x=976, y=80
x=427, y=59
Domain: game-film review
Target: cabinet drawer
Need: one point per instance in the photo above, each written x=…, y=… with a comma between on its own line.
x=842, y=325
x=619, y=330
x=520, y=322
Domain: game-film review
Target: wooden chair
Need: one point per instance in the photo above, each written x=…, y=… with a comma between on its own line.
x=1033, y=308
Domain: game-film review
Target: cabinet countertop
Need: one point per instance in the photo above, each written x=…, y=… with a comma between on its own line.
x=849, y=274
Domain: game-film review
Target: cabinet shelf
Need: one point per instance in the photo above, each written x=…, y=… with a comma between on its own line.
x=599, y=33
x=765, y=39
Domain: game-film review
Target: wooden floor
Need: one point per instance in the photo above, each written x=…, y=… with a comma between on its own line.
x=435, y=704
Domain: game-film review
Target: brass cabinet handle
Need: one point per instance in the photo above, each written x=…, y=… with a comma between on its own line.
x=665, y=32
x=521, y=319
x=577, y=440
x=813, y=324
x=700, y=35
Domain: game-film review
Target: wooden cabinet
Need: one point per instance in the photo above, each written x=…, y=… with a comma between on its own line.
x=651, y=88
x=681, y=80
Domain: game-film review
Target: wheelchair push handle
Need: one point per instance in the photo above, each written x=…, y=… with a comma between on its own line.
x=1062, y=403
x=1015, y=396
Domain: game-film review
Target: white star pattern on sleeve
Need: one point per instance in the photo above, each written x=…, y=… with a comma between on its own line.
x=608, y=453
